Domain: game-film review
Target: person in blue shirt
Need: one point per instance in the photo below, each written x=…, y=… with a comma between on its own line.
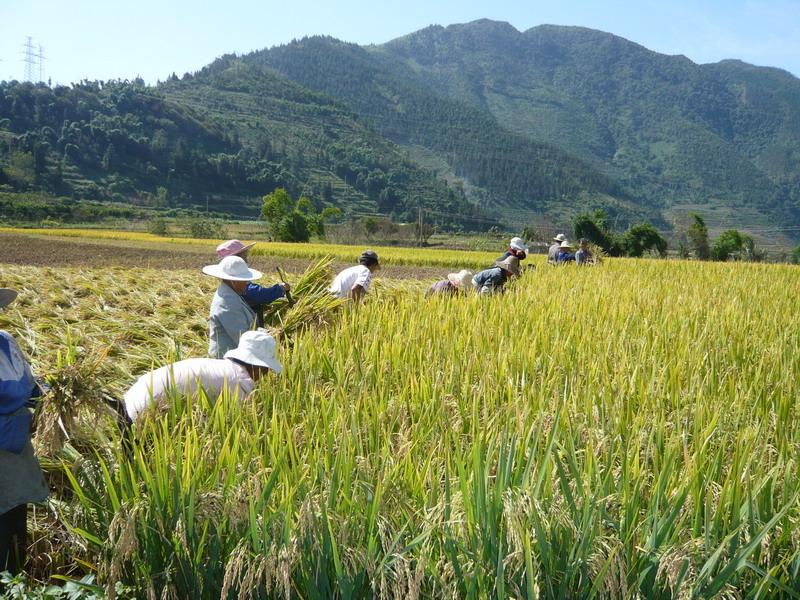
x=21, y=478
x=492, y=281
x=564, y=254
x=255, y=295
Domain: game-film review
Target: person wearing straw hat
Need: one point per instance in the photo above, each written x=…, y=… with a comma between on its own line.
x=354, y=282
x=21, y=478
x=237, y=372
x=456, y=283
x=517, y=248
x=565, y=253
x=230, y=315
x=255, y=295
x=555, y=248
x=493, y=281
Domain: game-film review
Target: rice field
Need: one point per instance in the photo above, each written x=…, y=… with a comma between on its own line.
x=624, y=431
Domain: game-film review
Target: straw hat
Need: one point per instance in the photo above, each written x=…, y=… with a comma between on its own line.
x=565, y=244
x=232, y=248
x=560, y=238
x=510, y=264
x=518, y=244
x=256, y=348
x=232, y=268
x=7, y=296
x=460, y=279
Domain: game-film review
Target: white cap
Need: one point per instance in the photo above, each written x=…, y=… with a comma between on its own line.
x=518, y=244
x=256, y=348
x=232, y=268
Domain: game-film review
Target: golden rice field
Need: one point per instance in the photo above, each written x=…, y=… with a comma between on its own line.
x=625, y=431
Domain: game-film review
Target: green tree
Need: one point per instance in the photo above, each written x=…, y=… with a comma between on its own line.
x=595, y=229
x=642, y=238
x=794, y=257
x=733, y=244
x=697, y=234
x=277, y=206
x=294, y=227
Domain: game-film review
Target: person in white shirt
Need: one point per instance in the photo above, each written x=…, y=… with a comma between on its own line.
x=237, y=372
x=354, y=282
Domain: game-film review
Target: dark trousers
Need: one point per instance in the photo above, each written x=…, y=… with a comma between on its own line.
x=13, y=538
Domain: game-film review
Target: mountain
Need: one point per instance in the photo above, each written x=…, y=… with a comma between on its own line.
x=671, y=131
x=470, y=122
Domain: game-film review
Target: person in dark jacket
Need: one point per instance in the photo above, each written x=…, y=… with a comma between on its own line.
x=493, y=281
x=21, y=478
x=256, y=296
x=583, y=256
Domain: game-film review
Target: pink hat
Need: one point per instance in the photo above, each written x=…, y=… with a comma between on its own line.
x=232, y=248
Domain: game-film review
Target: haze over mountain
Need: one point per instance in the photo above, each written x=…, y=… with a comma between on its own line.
x=466, y=120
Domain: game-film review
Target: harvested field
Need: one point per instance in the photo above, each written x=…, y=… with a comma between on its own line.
x=51, y=251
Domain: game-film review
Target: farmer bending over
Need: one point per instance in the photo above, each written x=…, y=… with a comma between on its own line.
x=516, y=248
x=21, y=479
x=237, y=372
x=455, y=284
x=256, y=296
x=230, y=314
x=354, y=282
x=492, y=281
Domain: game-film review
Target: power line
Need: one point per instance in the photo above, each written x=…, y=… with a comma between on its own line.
x=29, y=59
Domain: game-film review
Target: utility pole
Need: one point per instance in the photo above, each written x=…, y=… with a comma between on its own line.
x=419, y=225
x=29, y=60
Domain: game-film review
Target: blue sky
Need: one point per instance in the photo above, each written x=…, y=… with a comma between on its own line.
x=113, y=39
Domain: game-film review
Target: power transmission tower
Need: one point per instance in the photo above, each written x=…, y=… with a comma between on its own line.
x=29, y=60
x=41, y=58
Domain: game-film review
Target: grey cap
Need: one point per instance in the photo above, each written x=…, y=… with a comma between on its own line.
x=368, y=257
x=7, y=296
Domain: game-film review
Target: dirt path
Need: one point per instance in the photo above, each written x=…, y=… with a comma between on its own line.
x=46, y=251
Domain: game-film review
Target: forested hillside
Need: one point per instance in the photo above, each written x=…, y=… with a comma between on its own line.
x=670, y=130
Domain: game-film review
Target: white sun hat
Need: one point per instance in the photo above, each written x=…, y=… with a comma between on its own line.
x=7, y=296
x=256, y=348
x=565, y=244
x=460, y=279
x=560, y=238
x=232, y=268
x=518, y=244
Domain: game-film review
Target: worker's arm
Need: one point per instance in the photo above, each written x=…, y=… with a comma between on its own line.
x=255, y=294
x=357, y=293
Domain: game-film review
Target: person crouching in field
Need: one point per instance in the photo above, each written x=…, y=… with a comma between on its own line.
x=583, y=256
x=21, y=478
x=238, y=371
x=256, y=296
x=354, y=282
x=230, y=315
x=493, y=281
x=555, y=248
x=565, y=255
x=455, y=284
x=516, y=248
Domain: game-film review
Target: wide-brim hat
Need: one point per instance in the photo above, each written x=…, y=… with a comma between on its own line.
x=232, y=268
x=560, y=238
x=7, y=296
x=232, y=248
x=461, y=279
x=518, y=244
x=257, y=348
x=510, y=264
x=565, y=244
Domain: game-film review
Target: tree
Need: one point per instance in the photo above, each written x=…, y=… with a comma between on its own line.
x=643, y=238
x=294, y=227
x=595, y=229
x=731, y=243
x=794, y=257
x=697, y=233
